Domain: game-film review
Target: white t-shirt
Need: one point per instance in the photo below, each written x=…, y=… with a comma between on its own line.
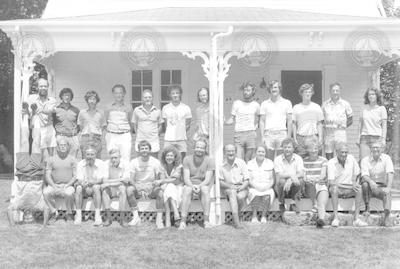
x=307, y=117
x=175, y=117
x=276, y=113
x=372, y=119
x=245, y=114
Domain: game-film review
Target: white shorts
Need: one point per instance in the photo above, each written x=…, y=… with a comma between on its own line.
x=47, y=137
x=123, y=142
x=332, y=138
x=273, y=139
x=179, y=145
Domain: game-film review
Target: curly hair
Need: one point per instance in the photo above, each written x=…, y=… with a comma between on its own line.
x=177, y=156
x=65, y=91
x=272, y=83
x=377, y=93
x=248, y=84
x=92, y=94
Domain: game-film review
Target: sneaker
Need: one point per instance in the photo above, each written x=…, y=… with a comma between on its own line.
x=335, y=223
x=359, y=223
x=263, y=220
x=78, y=218
x=320, y=223
x=207, y=225
x=135, y=220
x=254, y=220
x=314, y=209
x=182, y=225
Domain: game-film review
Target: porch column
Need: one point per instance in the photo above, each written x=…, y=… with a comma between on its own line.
x=396, y=124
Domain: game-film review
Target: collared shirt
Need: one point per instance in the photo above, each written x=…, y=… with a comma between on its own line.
x=307, y=118
x=92, y=174
x=198, y=171
x=41, y=119
x=276, y=113
x=336, y=114
x=377, y=170
x=145, y=172
x=372, y=119
x=122, y=171
x=65, y=119
x=62, y=170
x=176, y=117
x=313, y=169
x=262, y=175
x=236, y=173
x=245, y=114
x=343, y=176
x=91, y=123
x=118, y=117
x=147, y=123
x=293, y=167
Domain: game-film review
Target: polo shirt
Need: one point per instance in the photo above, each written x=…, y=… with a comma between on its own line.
x=145, y=172
x=94, y=174
x=91, y=122
x=122, y=171
x=343, y=176
x=372, y=119
x=147, y=123
x=245, y=114
x=377, y=170
x=276, y=113
x=336, y=114
x=236, y=173
x=198, y=171
x=62, y=170
x=175, y=117
x=262, y=175
x=118, y=117
x=307, y=117
x=313, y=168
x=65, y=119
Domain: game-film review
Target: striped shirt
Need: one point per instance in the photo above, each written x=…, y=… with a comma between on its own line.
x=313, y=169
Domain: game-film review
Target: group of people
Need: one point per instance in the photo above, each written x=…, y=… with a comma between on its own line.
x=250, y=174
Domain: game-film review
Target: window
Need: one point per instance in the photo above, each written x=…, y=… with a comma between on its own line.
x=168, y=78
x=141, y=80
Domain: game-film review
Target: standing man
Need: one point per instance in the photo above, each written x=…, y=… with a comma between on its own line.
x=90, y=174
x=177, y=118
x=118, y=116
x=343, y=178
x=198, y=171
x=234, y=179
x=338, y=116
x=245, y=114
x=91, y=122
x=276, y=120
x=43, y=132
x=289, y=171
x=377, y=178
x=147, y=123
x=65, y=120
x=60, y=178
x=307, y=120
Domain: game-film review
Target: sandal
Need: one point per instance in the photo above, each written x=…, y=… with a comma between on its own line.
x=314, y=209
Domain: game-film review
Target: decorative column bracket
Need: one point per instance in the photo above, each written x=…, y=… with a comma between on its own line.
x=204, y=56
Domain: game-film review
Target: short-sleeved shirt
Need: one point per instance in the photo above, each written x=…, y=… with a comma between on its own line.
x=276, y=113
x=198, y=173
x=91, y=123
x=202, y=119
x=147, y=123
x=65, y=119
x=118, y=118
x=236, y=173
x=175, y=117
x=94, y=174
x=307, y=118
x=377, y=170
x=263, y=174
x=245, y=114
x=294, y=166
x=336, y=114
x=145, y=172
x=123, y=171
x=372, y=119
x=41, y=119
x=313, y=168
x=62, y=170
x=343, y=176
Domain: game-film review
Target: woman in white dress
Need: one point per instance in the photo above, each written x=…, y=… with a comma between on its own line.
x=171, y=176
x=262, y=179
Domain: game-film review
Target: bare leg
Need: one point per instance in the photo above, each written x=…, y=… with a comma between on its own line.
x=239, y=151
x=249, y=154
x=167, y=213
x=335, y=200
x=322, y=200
x=205, y=202
x=122, y=198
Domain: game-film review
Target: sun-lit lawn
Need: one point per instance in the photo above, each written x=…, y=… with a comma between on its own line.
x=274, y=245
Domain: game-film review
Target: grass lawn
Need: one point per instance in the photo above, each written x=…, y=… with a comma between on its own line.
x=275, y=245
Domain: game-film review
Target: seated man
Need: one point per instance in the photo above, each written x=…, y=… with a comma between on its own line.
x=343, y=175
x=145, y=182
x=114, y=184
x=60, y=178
x=376, y=179
x=289, y=170
x=234, y=179
x=198, y=171
x=90, y=173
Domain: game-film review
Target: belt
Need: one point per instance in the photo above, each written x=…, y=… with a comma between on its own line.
x=124, y=132
x=88, y=135
x=67, y=135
